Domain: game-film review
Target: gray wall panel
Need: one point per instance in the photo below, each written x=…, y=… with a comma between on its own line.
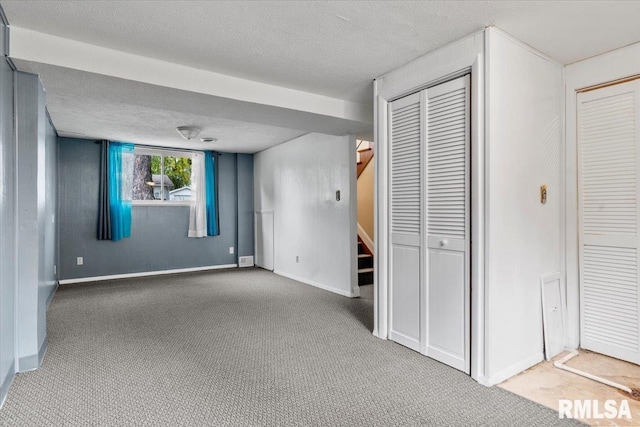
x=158, y=234
x=35, y=206
x=7, y=224
x=28, y=204
x=245, y=204
x=49, y=281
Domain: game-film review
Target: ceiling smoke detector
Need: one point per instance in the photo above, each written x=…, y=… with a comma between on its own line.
x=208, y=139
x=188, y=132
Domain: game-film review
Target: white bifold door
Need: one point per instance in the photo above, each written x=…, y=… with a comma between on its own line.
x=608, y=167
x=430, y=217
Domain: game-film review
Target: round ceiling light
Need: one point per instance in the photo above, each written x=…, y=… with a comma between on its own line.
x=188, y=132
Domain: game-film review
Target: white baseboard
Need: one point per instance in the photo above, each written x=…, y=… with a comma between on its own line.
x=515, y=369
x=34, y=361
x=482, y=380
x=376, y=334
x=316, y=284
x=145, y=273
x=368, y=241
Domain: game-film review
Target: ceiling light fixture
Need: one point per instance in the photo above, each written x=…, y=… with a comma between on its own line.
x=188, y=132
x=208, y=139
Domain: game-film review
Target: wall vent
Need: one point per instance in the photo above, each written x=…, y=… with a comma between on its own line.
x=246, y=261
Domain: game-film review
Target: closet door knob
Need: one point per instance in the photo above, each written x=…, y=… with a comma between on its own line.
x=444, y=242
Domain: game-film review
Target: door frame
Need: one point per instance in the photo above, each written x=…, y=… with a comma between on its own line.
x=456, y=60
x=611, y=67
x=595, y=346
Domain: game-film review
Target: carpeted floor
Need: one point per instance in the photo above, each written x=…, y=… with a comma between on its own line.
x=239, y=347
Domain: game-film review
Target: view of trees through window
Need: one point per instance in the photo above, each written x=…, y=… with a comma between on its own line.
x=161, y=177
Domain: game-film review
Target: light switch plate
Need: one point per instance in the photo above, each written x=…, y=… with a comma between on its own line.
x=231, y=249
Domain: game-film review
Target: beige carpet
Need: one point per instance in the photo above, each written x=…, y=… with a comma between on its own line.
x=239, y=347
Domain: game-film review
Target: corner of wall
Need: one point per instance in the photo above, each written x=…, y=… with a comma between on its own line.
x=33, y=361
x=529, y=152
x=512, y=370
x=314, y=234
x=5, y=383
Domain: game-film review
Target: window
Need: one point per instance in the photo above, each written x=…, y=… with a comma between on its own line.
x=161, y=177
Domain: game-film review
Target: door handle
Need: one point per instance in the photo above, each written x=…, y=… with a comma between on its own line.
x=444, y=242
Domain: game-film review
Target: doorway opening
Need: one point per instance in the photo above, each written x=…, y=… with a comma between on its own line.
x=365, y=176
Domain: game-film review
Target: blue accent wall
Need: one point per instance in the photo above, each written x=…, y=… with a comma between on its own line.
x=158, y=233
x=245, y=204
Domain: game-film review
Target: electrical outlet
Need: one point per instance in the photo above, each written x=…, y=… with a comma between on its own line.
x=80, y=260
x=297, y=259
x=231, y=249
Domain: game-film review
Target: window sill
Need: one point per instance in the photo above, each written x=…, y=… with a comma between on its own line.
x=159, y=203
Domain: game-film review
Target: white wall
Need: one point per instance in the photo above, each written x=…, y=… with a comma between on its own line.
x=618, y=64
x=524, y=237
x=516, y=148
x=297, y=180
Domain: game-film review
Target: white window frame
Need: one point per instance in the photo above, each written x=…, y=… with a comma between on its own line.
x=152, y=151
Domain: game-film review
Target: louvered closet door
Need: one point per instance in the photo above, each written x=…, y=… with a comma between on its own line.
x=448, y=242
x=608, y=137
x=406, y=116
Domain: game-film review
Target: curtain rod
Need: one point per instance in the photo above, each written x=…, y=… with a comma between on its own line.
x=155, y=147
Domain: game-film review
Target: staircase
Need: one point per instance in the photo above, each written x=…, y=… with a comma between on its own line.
x=365, y=265
x=364, y=154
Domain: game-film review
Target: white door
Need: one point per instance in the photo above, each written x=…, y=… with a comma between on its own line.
x=264, y=240
x=608, y=137
x=448, y=292
x=405, y=289
x=429, y=285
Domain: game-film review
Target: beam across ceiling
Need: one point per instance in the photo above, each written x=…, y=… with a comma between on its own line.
x=33, y=46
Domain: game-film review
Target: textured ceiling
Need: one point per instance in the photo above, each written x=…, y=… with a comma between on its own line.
x=86, y=105
x=325, y=47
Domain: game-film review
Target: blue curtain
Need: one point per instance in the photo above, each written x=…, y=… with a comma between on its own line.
x=211, y=181
x=119, y=204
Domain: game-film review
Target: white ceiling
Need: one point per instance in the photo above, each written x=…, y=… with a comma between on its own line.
x=323, y=47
